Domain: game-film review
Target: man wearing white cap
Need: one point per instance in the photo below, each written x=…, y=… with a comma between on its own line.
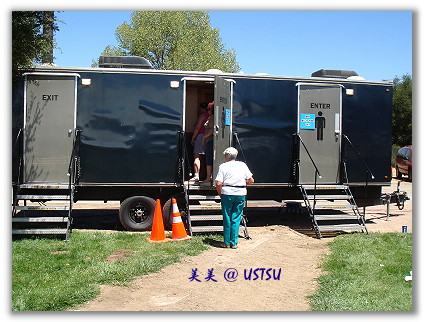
x=231, y=181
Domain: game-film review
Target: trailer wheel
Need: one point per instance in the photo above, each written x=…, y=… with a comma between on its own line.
x=136, y=213
x=167, y=209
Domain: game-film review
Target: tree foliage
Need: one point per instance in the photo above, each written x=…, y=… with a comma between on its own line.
x=29, y=44
x=402, y=110
x=177, y=40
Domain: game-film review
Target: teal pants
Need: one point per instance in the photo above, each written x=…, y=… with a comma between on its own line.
x=232, y=210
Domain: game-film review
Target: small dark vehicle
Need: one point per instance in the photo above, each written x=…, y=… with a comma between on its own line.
x=404, y=162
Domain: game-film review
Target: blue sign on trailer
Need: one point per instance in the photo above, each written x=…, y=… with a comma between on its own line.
x=307, y=121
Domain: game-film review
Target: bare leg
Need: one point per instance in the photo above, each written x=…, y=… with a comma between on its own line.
x=196, y=165
x=209, y=170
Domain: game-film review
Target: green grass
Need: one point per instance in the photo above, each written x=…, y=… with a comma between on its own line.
x=42, y=281
x=366, y=273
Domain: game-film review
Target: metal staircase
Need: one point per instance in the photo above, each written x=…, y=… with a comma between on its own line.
x=204, y=211
x=202, y=204
x=42, y=219
x=331, y=207
x=343, y=215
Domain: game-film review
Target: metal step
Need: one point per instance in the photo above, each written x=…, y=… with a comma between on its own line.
x=42, y=207
x=44, y=186
x=43, y=197
x=205, y=207
x=328, y=197
x=335, y=207
x=40, y=231
x=341, y=227
x=40, y=219
x=205, y=217
x=336, y=217
x=200, y=188
x=199, y=229
x=203, y=197
x=323, y=187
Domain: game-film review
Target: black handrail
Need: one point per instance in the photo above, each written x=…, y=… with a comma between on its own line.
x=74, y=154
x=360, y=157
x=309, y=155
x=183, y=155
x=19, y=170
x=19, y=155
x=368, y=171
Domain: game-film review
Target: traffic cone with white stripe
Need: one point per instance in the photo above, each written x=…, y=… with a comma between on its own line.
x=178, y=229
x=158, y=230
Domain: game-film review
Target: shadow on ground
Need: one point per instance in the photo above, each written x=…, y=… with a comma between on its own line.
x=108, y=219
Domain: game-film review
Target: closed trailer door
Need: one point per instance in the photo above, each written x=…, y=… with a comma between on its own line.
x=319, y=126
x=223, y=120
x=50, y=104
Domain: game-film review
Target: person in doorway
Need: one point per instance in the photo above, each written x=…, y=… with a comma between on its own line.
x=197, y=140
x=208, y=142
x=231, y=181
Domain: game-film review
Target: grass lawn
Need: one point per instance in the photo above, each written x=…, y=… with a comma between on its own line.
x=54, y=275
x=366, y=273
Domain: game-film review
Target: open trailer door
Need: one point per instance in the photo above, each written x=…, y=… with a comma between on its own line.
x=223, y=119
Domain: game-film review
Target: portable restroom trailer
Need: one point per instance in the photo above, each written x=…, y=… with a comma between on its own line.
x=124, y=134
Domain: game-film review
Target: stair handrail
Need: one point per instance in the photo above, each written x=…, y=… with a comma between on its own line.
x=309, y=155
x=368, y=171
x=20, y=160
x=359, y=155
x=317, y=173
x=72, y=166
x=15, y=145
x=72, y=173
x=181, y=164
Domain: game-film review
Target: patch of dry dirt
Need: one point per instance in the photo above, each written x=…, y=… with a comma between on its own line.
x=119, y=254
x=292, y=258
x=284, y=246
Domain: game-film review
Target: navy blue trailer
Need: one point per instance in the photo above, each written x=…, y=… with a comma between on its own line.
x=123, y=134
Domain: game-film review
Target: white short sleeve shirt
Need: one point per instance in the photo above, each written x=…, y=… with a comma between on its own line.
x=233, y=175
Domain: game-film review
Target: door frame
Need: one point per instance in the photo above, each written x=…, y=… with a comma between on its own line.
x=212, y=79
x=218, y=158
x=337, y=126
x=76, y=76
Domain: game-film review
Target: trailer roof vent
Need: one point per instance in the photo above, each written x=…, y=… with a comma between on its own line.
x=331, y=73
x=214, y=71
x=124, y=62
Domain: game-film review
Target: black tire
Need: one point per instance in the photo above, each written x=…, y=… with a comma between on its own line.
x=136, y=213
x=167, y=209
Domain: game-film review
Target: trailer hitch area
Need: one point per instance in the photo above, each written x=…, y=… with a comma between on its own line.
x=398, y=197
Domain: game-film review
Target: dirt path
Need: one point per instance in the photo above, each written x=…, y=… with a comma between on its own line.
x=275, y=247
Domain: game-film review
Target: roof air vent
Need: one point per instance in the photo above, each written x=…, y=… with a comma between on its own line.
x=331, y=73
x=124, y=62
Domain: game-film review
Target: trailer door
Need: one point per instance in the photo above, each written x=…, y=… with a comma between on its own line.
x=223, y=120
x=319, y=126
x=49, y=123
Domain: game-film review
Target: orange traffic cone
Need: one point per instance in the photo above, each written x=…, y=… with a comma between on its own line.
x=178, y=229
x=158, y=230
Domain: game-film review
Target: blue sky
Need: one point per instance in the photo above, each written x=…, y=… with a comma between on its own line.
x=376, y=44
